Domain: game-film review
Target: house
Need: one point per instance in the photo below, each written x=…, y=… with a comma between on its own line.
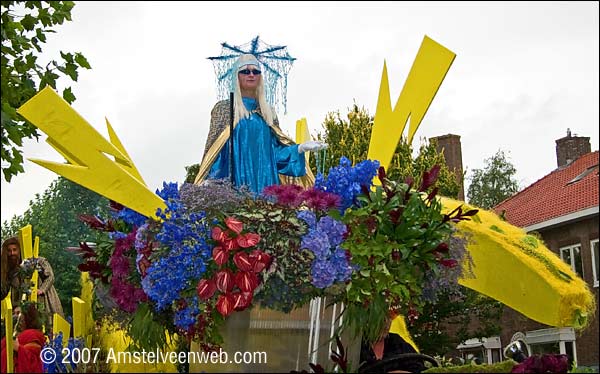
x=562, y=207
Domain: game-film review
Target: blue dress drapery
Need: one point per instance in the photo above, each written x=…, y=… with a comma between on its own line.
x=258, y=155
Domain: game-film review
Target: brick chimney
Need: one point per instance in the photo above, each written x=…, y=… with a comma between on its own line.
x=452, y=150
x=569, y=148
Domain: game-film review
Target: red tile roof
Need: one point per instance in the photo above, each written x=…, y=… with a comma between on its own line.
x=553, y=196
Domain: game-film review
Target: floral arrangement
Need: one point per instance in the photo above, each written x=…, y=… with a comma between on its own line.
x=216, y=250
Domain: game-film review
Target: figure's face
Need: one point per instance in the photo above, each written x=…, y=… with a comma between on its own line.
x=249, y=77
x=14, y=254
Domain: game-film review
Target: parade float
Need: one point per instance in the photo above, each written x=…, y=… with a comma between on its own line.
x=288, y=271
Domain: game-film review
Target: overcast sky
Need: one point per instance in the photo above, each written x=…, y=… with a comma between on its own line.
x=523, y=74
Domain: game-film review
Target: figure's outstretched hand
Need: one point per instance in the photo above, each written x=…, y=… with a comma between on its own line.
x=311, y=146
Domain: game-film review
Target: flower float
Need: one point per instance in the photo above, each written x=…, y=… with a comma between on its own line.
x=203, y=258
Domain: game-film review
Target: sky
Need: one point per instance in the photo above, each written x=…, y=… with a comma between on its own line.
x=524, y=72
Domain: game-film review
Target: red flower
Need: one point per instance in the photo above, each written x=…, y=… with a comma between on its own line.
x=259, y=260
x=246, y=281
x=220, y=255
x=449, y=263
x=429, y=178
x=248, y=240
x=442, y=248
x=241, y=300
x=218, y=234
x=206, y=288
x=242, y=261
x=234, y=225
x=224, y=280
x=225, y=304
x=230, y=244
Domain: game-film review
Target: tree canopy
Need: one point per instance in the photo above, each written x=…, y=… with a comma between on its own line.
x=350, y=137
x=494, y=183
x=25, y=25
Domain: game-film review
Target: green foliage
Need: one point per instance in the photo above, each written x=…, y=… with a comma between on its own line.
x=280, y=230
x=191, y=172
x=493, y=184
x=145, y=331
x=457, y=309
x=350, y=138
x=25, y=25
x=53, y=217
x=500, y=367
x=396, y=230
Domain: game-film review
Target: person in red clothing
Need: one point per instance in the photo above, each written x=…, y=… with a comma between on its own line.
x=28, y=343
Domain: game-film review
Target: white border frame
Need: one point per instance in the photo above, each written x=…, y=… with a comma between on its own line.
x=594, y=270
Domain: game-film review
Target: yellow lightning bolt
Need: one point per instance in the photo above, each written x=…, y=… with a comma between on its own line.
x=426, y=75
x=87, y=154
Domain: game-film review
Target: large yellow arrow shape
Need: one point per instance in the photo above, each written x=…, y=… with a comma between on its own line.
x=425, y=78
x=510, y=266
x=87, y=153
x=518, y=270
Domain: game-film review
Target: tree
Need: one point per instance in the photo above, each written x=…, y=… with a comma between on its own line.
x=54, y=218
x=443, y=325
x=494, y=184
x=351, y=138
x=24, y=28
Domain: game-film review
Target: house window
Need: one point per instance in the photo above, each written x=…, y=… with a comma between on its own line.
x=595, y=260
x=572, y=256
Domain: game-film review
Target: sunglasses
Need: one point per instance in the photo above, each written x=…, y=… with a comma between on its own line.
x=248, y=71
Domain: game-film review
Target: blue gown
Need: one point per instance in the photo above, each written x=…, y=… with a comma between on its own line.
x=258, y=155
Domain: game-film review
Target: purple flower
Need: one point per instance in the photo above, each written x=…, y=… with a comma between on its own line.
x=547, y=363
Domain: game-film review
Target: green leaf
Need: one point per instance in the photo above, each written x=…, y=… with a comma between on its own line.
x=40, y=34
x=71, y=71
x=82, y=61
x=68, y=95
x=28, y=22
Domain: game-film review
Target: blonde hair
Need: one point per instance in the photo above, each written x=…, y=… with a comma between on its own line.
x=239, y=109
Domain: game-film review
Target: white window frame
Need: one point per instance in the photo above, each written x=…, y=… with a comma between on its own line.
x=572, y=263
x=486, y=345
x=561, y=335
x=594, y=269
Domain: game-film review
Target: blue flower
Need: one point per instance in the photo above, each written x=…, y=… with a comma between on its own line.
x=186, y=317
x=131, y=217
x=323, y=274
x=346, y=180
x=323, y=240
x=308, y=216
x=335, y=230
x=184, y=234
